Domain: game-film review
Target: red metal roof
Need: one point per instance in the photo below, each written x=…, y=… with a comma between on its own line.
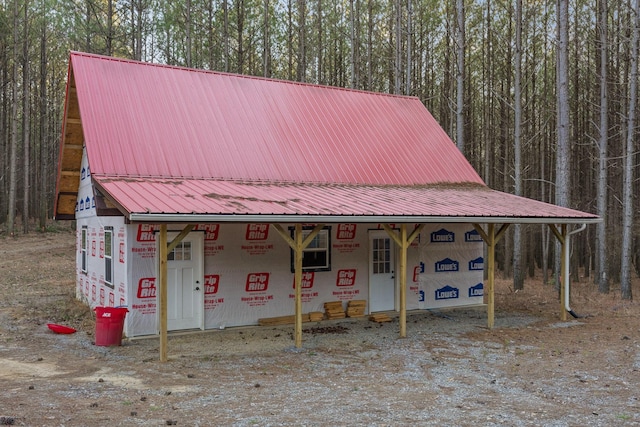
x=174, y=144
x=158, y=121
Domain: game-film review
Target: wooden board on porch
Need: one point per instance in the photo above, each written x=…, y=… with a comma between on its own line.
x=282, y=320
x=356, y=308
x=380, y=318
x=334, y=310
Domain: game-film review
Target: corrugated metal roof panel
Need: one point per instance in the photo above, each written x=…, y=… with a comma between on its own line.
x=149, y=120
x=211, y=197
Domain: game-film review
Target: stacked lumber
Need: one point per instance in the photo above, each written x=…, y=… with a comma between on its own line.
x=355, y=308
x=316, y=316
x=334, y=310
x=379, y=317
x=282, y=320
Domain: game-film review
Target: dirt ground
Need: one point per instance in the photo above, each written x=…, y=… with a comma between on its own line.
x=531, y=369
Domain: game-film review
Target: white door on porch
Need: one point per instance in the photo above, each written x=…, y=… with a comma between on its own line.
x=185, y=283
x=382, y=289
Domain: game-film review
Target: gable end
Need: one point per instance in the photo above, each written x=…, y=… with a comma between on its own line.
x=70, y=162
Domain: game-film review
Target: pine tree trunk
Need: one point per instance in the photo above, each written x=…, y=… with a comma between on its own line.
x=225, y=34
x=407, y=84
x=4, y=128
x=563, y=152
x=132, y=11
x=26, y=122
x=488, y=104
x=603, y=140
x=352, y=56
x=397, y=86
x=87, y=23
x=302, y=65
x=44, y=137
x=240, y=40
x=518, y=276
x=545, y=229
x=187, y=29
x=370, y=26
x=266, y=51
x=460, y=76
x=210, y=29
x=320, y=67
x=290, y=50
x=109, y=36
x=138, y=54
x=627, y=198
x=11, y=220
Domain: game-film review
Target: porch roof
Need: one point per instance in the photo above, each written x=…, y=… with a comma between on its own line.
x=201, y=200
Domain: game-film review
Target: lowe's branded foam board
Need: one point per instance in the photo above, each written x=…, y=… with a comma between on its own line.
x=451, y=266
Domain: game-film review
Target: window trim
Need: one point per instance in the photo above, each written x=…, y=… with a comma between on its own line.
x=108, y=258
x=84, y=247
x=305, y=232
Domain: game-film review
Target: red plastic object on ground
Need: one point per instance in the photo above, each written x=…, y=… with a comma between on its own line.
x=60, y=329
x=109, y=325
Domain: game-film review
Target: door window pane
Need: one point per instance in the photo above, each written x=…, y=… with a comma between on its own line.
x=182, y=252
x=381, y=255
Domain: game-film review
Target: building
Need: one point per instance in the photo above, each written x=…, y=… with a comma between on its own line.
x=202, y=198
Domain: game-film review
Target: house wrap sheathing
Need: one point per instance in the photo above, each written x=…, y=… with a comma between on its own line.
x=244, y=271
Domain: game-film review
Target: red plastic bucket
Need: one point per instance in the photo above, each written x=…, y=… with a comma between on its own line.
x=109, y=325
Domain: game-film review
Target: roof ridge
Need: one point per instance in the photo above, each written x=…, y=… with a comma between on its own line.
x=244, y=76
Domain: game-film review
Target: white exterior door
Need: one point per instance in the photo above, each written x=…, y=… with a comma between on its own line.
x=382, y=289
x=185, y=283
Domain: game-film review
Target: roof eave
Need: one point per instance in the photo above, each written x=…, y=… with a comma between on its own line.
x=327, y=219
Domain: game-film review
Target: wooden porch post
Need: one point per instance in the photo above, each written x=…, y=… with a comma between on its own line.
x=491, y=238
x=562, y=237
x=564, y=271
x=163, y=251
x=491, y=272
x=403, y=242
x=298, y=251
x=403, y=281
x=162, y=291
x=298, y=244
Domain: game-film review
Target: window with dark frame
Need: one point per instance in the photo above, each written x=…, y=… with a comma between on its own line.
x=83, y=250
x=316, y=256
x=108, y=256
